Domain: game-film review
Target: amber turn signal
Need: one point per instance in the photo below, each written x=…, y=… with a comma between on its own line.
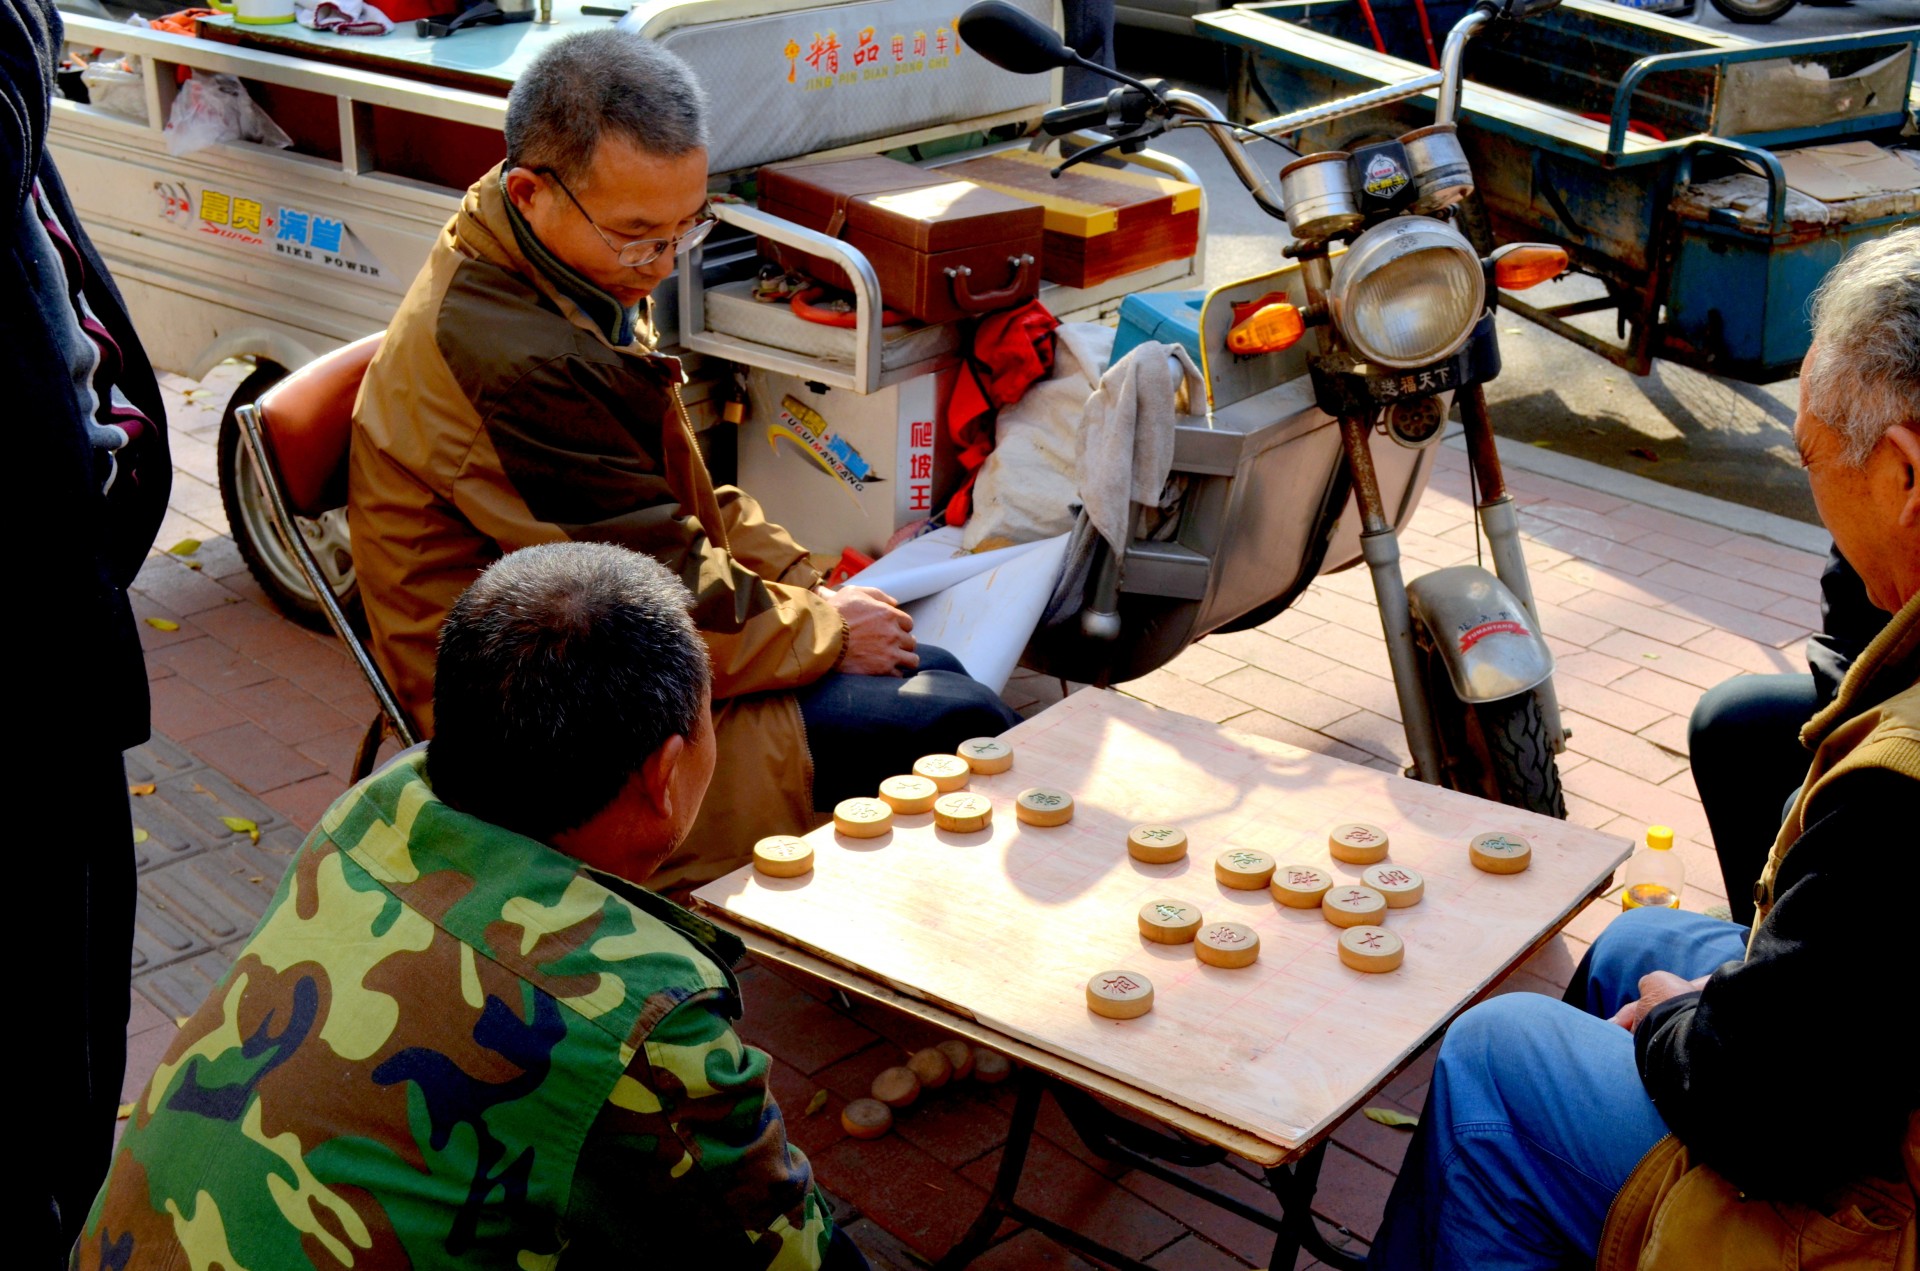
x=1268, y=329
x=1519, y=266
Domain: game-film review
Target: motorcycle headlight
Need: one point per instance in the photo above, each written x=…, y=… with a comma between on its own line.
x=1408, y=292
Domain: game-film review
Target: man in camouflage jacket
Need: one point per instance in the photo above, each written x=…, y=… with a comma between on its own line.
x=454, y=1043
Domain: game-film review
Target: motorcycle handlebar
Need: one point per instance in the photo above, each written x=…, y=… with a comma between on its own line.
x=1062, y=120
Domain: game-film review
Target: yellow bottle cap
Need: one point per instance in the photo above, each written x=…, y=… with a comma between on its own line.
x=1659, y=838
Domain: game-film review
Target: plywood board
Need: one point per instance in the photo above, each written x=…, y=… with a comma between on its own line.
x=1007, y=924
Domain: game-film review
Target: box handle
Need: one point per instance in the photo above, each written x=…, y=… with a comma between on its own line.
x=987, y=301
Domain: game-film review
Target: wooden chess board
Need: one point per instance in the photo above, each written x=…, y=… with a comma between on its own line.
x=1006, y=925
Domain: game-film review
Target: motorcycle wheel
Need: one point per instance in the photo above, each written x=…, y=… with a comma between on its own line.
x=1752, y=12
x=269, y=559
x=1497, y=750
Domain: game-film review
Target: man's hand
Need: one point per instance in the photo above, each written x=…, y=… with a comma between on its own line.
x=879, y=639
x=1655, y=988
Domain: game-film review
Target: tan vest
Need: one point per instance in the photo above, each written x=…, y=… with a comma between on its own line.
x=1675, y=1215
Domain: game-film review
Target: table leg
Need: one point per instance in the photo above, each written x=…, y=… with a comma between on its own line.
x=1293, y=1186
x=1013, y=1160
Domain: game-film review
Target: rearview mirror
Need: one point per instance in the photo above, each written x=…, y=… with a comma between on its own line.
x=1013, y=39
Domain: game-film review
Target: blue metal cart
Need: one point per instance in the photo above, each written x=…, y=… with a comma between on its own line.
x=1649, y=148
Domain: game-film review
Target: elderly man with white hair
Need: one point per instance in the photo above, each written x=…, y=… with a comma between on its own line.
x=1708, y=1096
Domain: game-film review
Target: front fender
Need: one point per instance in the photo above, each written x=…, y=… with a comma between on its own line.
x=1482, y=631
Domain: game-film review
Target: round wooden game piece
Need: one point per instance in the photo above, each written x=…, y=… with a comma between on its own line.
x=1044, y=806
x=1227, y=944
x=990, y=1067
x=895, y=1087
x=1500, y=852
x=866, y=1119
x=960, y=1055
x=1169, y=921
x=862, y=818
x=1402, y=887
x=782, y=856
x=1357, y=843
x=1300, y=886
x=1373, y=949
x=948, y=772
x=933, y=1068
x=1243, y=869
x=1120, y=994
x=1156, y=844
x=909, y=794
x=1352, y=906
x=963, y=813
x=986, y=755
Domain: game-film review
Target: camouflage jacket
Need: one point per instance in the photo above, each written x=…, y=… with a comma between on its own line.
x=449, y=1045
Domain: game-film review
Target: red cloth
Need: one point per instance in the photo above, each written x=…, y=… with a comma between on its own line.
x=1011, y=350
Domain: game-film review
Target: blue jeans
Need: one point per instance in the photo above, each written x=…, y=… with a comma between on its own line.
x=863, y=729
x=1536, y=1114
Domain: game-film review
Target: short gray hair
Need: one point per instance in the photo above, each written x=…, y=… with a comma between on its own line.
x=1866, y=321
x=562, y=668
x=592, y=83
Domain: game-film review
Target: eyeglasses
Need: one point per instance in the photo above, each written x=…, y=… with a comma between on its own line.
x=641, y=251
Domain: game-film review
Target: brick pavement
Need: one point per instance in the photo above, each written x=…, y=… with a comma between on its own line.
x=256, y=719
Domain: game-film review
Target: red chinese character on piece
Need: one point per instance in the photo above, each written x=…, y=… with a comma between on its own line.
x=922, y=498
x=1395, y=877
x=1371, y=941
x=922, y=434
x=919, y=43
x=922, y=468
x=792, y=54
x=869, y=49
x=1122, y=984
x=1302, y=878
x=1226, y=935
x=899, y=47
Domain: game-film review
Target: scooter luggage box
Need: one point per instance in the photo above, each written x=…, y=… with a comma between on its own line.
x=1101, y=222
x=914, y=226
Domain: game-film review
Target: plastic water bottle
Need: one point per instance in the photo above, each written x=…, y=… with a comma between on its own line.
x=1654, y=876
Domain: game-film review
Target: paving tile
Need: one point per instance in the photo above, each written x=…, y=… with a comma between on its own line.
x=169, y=837
x=212, y=666
x=1595, y=668
x=203, y=797
x=793, y=1090
x=161, y=936
x=1192, y=1253
x=1535, y=486
x=1599, y=551
x=1375, y=734
x=287, y=712
x=187, y=711
x=1623, y=792
x=1382, y=1145
x=145, y=1050
x=1057, y=1186
x=1616, y=582
x=225, y=891
x=795, y=1026
x=1627, y=713
x=1697, y=668
x=1673, y=525
x=956, y=1124
x=1202, y=662
x=1696, y=581
x=883, y=1252
x=1249, y=1241
x=1742, y=622
x=1555, y=962
x=1367, y=651
x=1571, y=625
x=1290, y=622
x=1204, y=701
x=1619, y=528
x=1352, y=685
x=1356, y=615
x=1261, y=723
x=199, y=499
x=1027, y=1249
x=1631, y=615
x=335, y=751
x=1254, y=687
x=1675, y=696
x=1269, y=653
x=1798, y=611
x=1750, y=655
x=259, y=763
x=1583, y=811
x=143, y=1015
x=303, y=803
x=1726, y=564
x=1670, y=733
x=149, y=611
x=253, y=630
x=1554, y=589
x=1353, y=1192
x=167, y=581
x=1622, y=750
x=903, y=1190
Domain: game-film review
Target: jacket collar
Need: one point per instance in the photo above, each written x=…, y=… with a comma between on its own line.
x=1889, y=665
x=491, y=228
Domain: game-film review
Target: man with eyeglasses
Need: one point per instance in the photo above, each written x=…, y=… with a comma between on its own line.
x=518, y=399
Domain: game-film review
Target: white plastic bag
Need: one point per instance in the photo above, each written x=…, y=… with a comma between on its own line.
x=215, y=108
x=116, y=84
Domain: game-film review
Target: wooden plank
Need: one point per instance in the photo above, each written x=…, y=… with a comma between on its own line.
x=1005, y=926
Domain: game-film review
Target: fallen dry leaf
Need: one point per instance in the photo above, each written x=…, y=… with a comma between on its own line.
x=816, y=1103
x=163, y=624
x=185, y=547
x=256, y=879
x=126, y=1110
x=140, y=835
x=240, y=825
x=1387, y=1116
x=145, y=787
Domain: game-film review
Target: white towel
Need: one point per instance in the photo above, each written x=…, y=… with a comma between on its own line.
x=1126, y=436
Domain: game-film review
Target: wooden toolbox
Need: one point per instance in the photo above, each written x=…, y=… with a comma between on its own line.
x=944, y=247
x=1100, y=222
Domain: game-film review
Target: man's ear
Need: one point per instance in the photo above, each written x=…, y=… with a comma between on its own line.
x=522, y=185
x=1906, y=447
x=657, y=774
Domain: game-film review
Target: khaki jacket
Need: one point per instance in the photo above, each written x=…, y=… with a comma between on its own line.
x=513, y=403
x=1676, y=1215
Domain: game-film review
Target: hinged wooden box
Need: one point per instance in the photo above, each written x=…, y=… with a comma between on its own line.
x=943, y=247
x=1100, y=222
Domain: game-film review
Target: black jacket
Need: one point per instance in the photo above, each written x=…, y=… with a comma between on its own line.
x=72, y=616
